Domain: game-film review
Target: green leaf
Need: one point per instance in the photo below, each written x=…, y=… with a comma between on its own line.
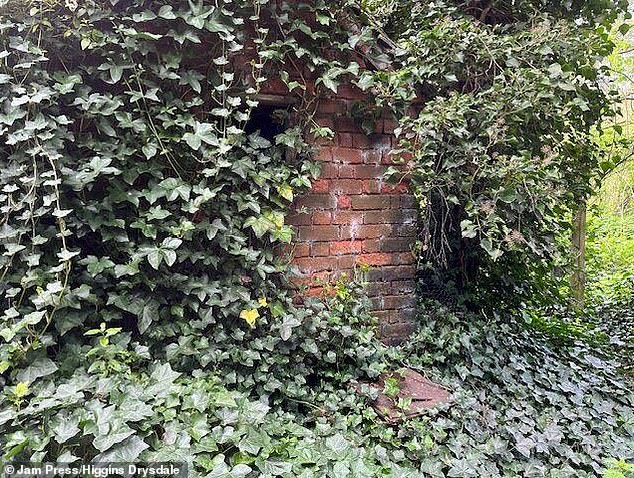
x=154, y=258
x=203, y=133
x=41, y=367
x=126, y=452
x=276, y=467
x=65, y=427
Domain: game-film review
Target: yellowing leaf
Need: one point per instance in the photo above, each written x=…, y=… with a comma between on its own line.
x=286, y=192
x=21, y=390
x=262, y=301
x=250, y=316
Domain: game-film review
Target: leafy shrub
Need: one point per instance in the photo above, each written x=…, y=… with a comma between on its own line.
x=501, y=149
x=143, y=303
x=610, y=256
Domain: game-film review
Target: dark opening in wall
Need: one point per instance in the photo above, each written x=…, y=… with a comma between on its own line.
x=269, y=119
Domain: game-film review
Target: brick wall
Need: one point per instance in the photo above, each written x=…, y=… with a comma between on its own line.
x=352, y=216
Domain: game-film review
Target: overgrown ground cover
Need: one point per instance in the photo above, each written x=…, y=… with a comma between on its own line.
x=146, y=316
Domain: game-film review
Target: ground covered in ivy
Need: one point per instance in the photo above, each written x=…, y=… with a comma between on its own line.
x=521, y=405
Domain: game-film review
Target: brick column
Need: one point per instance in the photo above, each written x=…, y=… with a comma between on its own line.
x=352, y=216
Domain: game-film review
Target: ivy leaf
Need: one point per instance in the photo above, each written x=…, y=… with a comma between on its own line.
x=65, y=427
x=41, y=367
x=276, y=467
x=524, y=445
x=150, y=313
x=154, y=258
x=338, y=445
x=286, y=192
x=260, y=225
x=330, y=83
x=166, y=12
x=203, y=133
x=149, y=150
x=462, y=469
x=126, y=452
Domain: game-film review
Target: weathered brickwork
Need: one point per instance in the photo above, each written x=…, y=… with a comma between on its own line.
x=352, y=216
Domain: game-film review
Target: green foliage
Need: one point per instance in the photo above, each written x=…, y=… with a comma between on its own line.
x=143, y=303
x=522, y=407
x=619, y=469
x=500, y=150
x=145, y=315
x=610, y=257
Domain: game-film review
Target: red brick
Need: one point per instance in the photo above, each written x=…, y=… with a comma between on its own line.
x=372, y=245
x=376, y=303
x=389, y=126
x=390, y=160
x=361, y=141
x=285, y=251
x=274, y=86
x=331, y=107
x=372, y=186
x=345, y=217
x=324, y=154
x=370, y=202
x=347, y=155
x=314, y=292
x=376, y=259
x=344, y=202
x=314, y=279
x=346, y=262
x=403, y=287
x=381, y=142
x=382, y=315
x=373, y=156
x=299, y=219
x=329, y=171
x=390, y=216
x=394, y=334
x=345, y=140
x=345, y=124
x=378, y=288
x=403, y=201
x=399, y=301
x=316, y=201
x=301, y=250
x=365, y=232
x=318, y=233
x=322, y=217
x=351, y=92
x=320, y=249
x=405, y=230
x=321, y=186
x=321, y=141
x=347, y=186
x=404, y=258
x=396, y=245
x=392, y=273
x=345, y=247
x=325, y=122
x=407, y=201
x=346, y=171
x=390, y=188
x=315, y=264
x=365, y=171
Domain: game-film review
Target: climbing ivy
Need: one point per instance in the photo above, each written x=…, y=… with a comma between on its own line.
x=500, y=143
x=140, y=216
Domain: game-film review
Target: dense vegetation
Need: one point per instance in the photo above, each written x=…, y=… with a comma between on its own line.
x=145, y=314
